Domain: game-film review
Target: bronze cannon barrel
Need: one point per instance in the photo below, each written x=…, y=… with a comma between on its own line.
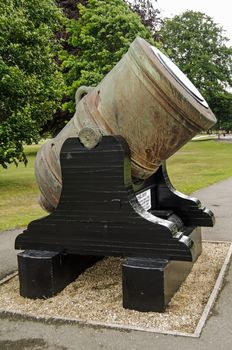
x=146, y=99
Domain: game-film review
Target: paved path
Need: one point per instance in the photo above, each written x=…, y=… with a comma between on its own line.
x=218, y=198
x=19, y=334
x=8, y=259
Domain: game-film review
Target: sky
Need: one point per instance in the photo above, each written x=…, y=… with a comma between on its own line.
x=219, y=10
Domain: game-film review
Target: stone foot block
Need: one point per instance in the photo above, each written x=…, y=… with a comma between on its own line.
x=43, y=274
x=149, y=284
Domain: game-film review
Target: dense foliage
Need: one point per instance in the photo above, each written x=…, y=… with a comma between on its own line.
x=150, y=16
x=102, y=35
x=31, y=86
x=222, y=107
x=70, y=8
x=198, y=47
x=71, y=11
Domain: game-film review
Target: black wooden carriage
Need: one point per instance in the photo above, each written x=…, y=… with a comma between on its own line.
x=102, y=212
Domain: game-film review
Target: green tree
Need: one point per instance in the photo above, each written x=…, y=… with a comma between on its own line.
x=71, y=11
x=31, y=85
x=70, y=7
x=223, y=110
x=198, y=46
x=150, y=16
x=102, y=35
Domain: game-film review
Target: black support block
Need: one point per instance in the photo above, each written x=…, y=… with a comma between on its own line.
x=43, y=274
x=149, y=284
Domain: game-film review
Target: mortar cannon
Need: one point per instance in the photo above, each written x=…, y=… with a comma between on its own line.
x=103, y=178
x=147, y=100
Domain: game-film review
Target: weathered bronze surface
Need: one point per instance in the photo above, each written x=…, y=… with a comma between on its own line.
x=142, y=100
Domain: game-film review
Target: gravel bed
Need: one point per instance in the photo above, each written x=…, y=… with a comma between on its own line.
x=96, y=295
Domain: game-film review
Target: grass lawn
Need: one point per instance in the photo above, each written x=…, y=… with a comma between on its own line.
x=196, y=165
x=19, y=193
x=200, y=164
